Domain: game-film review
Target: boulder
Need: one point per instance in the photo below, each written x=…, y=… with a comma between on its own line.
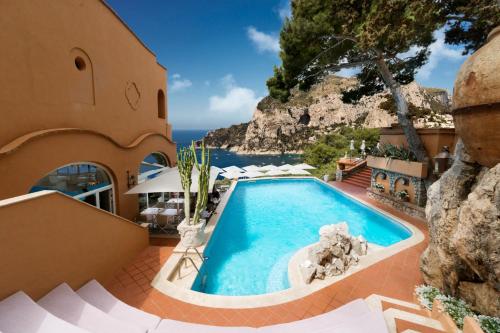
x=463, y=212
x=333, y=254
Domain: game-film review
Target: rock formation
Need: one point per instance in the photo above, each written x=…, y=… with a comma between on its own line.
x=463, y=212
x=334, y=254
x=288, y=127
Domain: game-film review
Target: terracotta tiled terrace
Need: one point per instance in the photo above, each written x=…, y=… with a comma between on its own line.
x=394, y=277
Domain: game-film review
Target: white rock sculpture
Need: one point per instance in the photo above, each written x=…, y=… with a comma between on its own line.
x=335, y=252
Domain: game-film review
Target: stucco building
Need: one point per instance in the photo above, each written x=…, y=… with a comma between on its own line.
x=82, y=102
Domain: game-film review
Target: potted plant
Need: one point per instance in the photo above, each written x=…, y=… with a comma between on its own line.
x=379, y=187
x=192, y=230
x=402, y=195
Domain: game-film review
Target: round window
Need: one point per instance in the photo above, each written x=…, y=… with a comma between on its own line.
x=80, y=63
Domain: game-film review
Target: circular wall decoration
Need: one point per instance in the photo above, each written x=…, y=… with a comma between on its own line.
x=133, y=95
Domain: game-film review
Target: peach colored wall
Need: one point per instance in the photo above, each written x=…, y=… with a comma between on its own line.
x=48, y=238
x=23, y=165
x=41, y=88
x=54, y=114
x=433, y=138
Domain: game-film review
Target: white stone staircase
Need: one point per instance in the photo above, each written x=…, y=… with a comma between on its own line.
x=401, y=316
x=93, y=309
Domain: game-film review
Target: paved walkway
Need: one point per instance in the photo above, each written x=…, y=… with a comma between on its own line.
x=394, y=277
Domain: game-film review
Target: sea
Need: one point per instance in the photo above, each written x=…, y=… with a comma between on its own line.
x=223, y=158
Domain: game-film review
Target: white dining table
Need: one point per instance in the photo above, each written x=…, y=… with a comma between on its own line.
x=151, y=212
x=175, y=201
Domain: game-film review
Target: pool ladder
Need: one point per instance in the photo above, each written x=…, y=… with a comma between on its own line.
x=185, y=257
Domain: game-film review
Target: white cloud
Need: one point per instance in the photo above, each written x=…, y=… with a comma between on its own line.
x=179, y=84
x=236, y=100
x=285, y=10
x=439, y=52
x=264, y=42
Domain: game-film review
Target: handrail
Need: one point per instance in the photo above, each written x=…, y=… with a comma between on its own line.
x=350, y=170
x=197, y=252
x=185, y=257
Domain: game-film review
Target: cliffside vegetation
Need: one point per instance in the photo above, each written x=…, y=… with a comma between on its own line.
x=325, y=36
x=329, y=148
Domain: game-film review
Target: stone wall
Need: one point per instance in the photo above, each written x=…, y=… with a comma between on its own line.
x=463, y=212
x=405, y=207
x=417, y=185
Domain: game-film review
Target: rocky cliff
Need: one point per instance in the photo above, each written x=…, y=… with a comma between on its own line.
x=463, y=212
x=288, y=127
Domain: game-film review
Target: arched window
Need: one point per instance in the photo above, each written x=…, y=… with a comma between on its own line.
x=161, y=104
x=87, y=182
x=82, y=77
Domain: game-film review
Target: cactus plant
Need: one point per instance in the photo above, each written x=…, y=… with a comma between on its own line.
x=203, y=180
x=186, y=160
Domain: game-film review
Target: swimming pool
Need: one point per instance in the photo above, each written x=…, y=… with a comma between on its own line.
x=266, y=221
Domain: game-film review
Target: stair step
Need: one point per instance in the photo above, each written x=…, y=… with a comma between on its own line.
x=387, y=305
x=358, y=184
x=404, y=326
x=398, y=321
x=357, y=181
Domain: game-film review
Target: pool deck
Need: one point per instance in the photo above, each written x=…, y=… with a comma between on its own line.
x=394, y=277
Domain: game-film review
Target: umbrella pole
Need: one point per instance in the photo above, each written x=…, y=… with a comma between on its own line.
x=147, y=200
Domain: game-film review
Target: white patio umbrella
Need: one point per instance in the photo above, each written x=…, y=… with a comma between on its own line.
x=251, y=168
x=233, y=168
x=170, y=181
x=276, y=173
x=303, y=166
x=285, y=167
x=298, y=172
x=268, y=167
x=143, y=176
x=252, y=174
x=232, y=174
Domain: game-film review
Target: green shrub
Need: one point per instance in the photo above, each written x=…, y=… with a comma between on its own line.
x=489, y=324
x=395, y=152
x=456, y=308
x=324, y=153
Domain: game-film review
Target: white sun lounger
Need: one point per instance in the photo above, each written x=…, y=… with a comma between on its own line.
x=329, y=320
x=354, y=317
x=171, y=326
x=20, y=314
x=95, y=294
x=64, y=303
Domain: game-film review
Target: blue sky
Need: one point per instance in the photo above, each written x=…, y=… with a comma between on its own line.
x=219, y=54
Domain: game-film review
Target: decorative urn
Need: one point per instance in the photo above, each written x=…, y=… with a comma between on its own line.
x=476, y=102
x=192, y=235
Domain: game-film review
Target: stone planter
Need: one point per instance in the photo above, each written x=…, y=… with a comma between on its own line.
x=192, y=235
x=476, y=102
x=414, y=169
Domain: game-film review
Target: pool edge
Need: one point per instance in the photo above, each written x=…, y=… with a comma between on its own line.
x=161, y=283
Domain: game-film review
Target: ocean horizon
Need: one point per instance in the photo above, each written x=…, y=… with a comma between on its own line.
x=223, y=158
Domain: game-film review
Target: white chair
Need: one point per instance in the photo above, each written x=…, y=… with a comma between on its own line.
x=20, y=314
x=64, y=303
x=95, y=294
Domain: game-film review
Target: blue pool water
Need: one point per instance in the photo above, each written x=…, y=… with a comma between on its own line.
x=266, y=221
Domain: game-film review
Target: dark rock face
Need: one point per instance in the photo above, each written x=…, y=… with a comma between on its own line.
x=463, y=212
x=227, y=137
